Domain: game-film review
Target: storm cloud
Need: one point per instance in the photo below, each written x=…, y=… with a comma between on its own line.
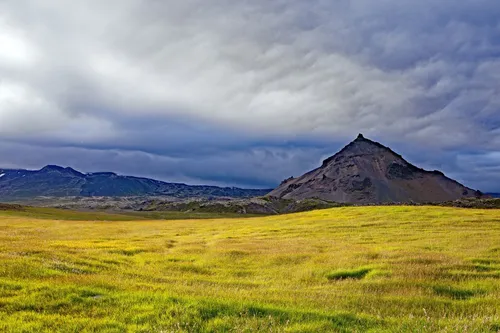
x=249, y=92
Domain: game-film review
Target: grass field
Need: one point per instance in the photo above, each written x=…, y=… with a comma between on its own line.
x=366, y=269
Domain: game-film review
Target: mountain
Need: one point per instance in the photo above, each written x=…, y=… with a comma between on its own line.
x=367, y=172
x=57, y=181
x=494, y=195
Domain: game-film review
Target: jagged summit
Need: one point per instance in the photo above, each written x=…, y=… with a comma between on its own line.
x=360, y=146
x=366, y=171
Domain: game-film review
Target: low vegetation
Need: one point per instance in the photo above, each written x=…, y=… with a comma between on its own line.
x=348, y=269
x=343, y=274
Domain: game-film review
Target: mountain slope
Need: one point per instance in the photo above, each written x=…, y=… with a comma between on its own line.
x=57, y=181
x=367, y=172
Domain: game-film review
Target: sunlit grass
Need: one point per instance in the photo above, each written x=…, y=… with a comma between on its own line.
x=377, y=269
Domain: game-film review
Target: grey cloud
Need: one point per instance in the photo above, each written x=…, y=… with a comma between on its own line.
x=251, y=167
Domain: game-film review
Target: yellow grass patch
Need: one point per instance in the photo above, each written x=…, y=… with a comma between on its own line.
x=376, y=269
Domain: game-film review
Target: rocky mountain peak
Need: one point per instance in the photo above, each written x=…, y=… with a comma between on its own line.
x=58, y=169
x=359, y=147
x=52, y=167
x=366, y=171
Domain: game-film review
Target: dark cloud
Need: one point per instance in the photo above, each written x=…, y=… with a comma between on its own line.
x=248, y=93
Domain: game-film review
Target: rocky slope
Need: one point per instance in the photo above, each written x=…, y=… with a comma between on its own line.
x=367, y=172
x=244, y=206
x=56, y=181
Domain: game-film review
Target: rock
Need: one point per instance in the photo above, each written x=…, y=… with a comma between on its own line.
x=367, y=172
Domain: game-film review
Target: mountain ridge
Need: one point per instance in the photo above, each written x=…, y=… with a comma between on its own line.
x=58, y=181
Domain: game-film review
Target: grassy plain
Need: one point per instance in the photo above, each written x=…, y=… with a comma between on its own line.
x=365, y=269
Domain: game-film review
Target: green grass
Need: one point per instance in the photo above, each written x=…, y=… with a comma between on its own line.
x=456, y=293
x=350, y=269
x=175, y=215
x=343, y=274
x=69, y=215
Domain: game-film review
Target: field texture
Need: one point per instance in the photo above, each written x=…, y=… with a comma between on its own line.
x=367, y=269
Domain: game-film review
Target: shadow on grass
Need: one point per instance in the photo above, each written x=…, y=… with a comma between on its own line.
x=171, y=313
x=344, y=274
x=456, y=293
x=279, y=317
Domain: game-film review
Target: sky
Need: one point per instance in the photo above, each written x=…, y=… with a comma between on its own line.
x=248, y=93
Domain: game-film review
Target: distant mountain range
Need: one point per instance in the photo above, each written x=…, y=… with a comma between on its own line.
x=363, y=172
x=367, y=172
x=56, y=181
x=494, y=195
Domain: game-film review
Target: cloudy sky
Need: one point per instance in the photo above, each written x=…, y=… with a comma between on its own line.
x=248, y=93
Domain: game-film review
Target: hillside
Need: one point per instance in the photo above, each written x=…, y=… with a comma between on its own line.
x=367, y=172
x=356, y=269
x=56, y=181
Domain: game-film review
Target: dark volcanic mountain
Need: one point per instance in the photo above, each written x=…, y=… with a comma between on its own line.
x=367, y=172
x=56, y=181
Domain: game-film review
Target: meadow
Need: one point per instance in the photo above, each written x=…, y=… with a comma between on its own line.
x=355, y=269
